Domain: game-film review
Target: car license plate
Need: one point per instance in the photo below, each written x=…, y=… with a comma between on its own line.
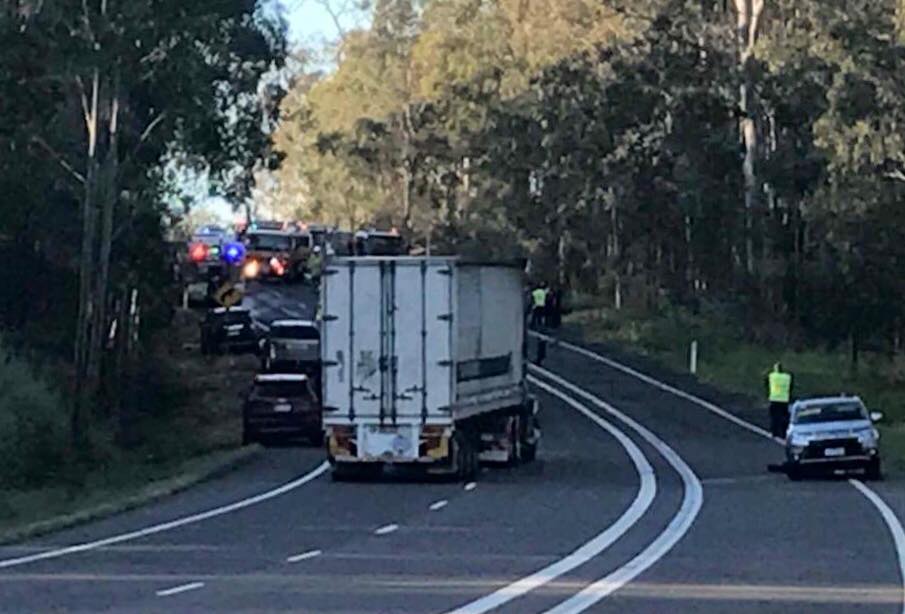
x=282, y=407
x=233, y=333
x=834, y=452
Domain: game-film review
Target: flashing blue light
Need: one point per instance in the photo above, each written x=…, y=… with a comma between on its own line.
x=234, y=253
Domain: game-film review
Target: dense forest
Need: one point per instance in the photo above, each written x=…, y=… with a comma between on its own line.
x=103, y=103
x=746, y=154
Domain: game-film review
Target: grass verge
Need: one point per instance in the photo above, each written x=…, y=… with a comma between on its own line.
x=183, y=419
x=53, y=508
x=727, y=360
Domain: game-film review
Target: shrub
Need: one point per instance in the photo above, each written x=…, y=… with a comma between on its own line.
x=33, y=425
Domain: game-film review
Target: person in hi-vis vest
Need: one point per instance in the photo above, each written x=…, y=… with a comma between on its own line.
x=779, y=384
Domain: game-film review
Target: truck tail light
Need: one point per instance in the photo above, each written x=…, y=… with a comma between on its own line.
x=434, y=441
x=341, y=440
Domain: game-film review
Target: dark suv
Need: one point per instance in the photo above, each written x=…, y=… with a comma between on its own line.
x=227, y=329
x=282, y=404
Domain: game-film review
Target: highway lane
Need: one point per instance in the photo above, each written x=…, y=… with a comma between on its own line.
x=513, y=521
x=759, y=543
x=510, y=523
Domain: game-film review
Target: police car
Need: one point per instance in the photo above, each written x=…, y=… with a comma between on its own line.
x=832, y=433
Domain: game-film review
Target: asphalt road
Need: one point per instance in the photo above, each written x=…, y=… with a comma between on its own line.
x=641, y=501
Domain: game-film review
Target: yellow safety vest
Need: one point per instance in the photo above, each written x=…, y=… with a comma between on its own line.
x=780, y=387
x=540, y=297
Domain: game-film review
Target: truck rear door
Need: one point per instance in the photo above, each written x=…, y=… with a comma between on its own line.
x=420, y=327
x=387, y=339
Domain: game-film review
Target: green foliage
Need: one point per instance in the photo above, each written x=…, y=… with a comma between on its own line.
x=602, y=140
x=33, y=425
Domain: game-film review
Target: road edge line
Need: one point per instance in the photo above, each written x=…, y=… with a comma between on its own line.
x=682, y=521
x=172, y=524
x=156, y=491
x=893, y=523
x=647, y=490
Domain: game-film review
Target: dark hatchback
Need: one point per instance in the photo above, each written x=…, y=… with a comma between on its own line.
x=229, y=329
x=281, y=404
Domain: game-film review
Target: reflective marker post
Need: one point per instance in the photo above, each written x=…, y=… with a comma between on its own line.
x=693, y=358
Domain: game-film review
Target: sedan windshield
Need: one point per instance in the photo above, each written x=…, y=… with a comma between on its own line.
x=269, y=242
x=831, y=412
x=308, y=333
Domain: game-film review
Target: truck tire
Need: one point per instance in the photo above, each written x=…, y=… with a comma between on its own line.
x=248, y=436
x=466, y=456
x=515, y=440
x=873, y=472
x=529, y=450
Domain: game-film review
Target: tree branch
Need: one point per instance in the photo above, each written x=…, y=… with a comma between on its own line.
x=59, y=158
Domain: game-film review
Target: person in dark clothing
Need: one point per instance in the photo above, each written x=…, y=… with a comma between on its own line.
x=554, y=317
x=549, y=307
x=541, y=351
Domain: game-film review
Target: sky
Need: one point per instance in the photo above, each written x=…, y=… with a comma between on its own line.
x=309, y=24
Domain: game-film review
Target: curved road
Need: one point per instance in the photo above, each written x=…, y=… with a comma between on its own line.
x=641, y=500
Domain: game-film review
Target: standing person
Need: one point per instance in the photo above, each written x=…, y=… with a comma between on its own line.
x=556, y=316
x=539, y=301
x=314, y=264
x=779, y=384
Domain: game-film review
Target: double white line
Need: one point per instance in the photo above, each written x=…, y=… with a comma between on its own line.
x=681, y=522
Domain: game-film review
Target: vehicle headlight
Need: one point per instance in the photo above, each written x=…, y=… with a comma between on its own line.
x=868, y=437
x=798, y=440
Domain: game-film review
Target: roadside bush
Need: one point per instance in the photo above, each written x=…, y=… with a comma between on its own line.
x=33, y=425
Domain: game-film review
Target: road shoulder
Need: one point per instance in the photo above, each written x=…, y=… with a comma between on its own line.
x=189, y=473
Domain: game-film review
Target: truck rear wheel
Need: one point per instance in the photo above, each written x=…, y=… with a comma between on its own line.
x=466, y=456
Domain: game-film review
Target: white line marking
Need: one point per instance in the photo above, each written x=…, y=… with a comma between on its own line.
x=439, y=505
x=304, y=556
x=471, y=486
x=386, y=530
x=692, y=500
x=647, y=489
x=892, y=521
x=658, y=384
x=166, y=526
x=180, y=589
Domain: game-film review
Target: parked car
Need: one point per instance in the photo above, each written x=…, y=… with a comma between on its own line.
x=228, y=329
x=291, y=346
x=829, y=433
x=281, y=404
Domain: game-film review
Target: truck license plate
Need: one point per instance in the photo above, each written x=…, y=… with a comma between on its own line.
x=389, y=443
x=282, y=407
x=834, y=452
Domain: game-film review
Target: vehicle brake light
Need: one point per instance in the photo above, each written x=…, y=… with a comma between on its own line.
x=198, y=252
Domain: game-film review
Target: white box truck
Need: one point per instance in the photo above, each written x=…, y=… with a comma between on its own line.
x=424, y=365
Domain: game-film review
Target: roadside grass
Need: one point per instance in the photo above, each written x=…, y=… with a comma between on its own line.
x=730, y=362
x=186, y=422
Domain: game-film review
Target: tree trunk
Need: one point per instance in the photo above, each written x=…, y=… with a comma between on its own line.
x=84, y=387
x=110, y=194
x=406, y=170
x=748, y=19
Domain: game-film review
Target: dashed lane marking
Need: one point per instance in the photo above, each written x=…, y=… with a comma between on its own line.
x=180, y=589
x=304, y=556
